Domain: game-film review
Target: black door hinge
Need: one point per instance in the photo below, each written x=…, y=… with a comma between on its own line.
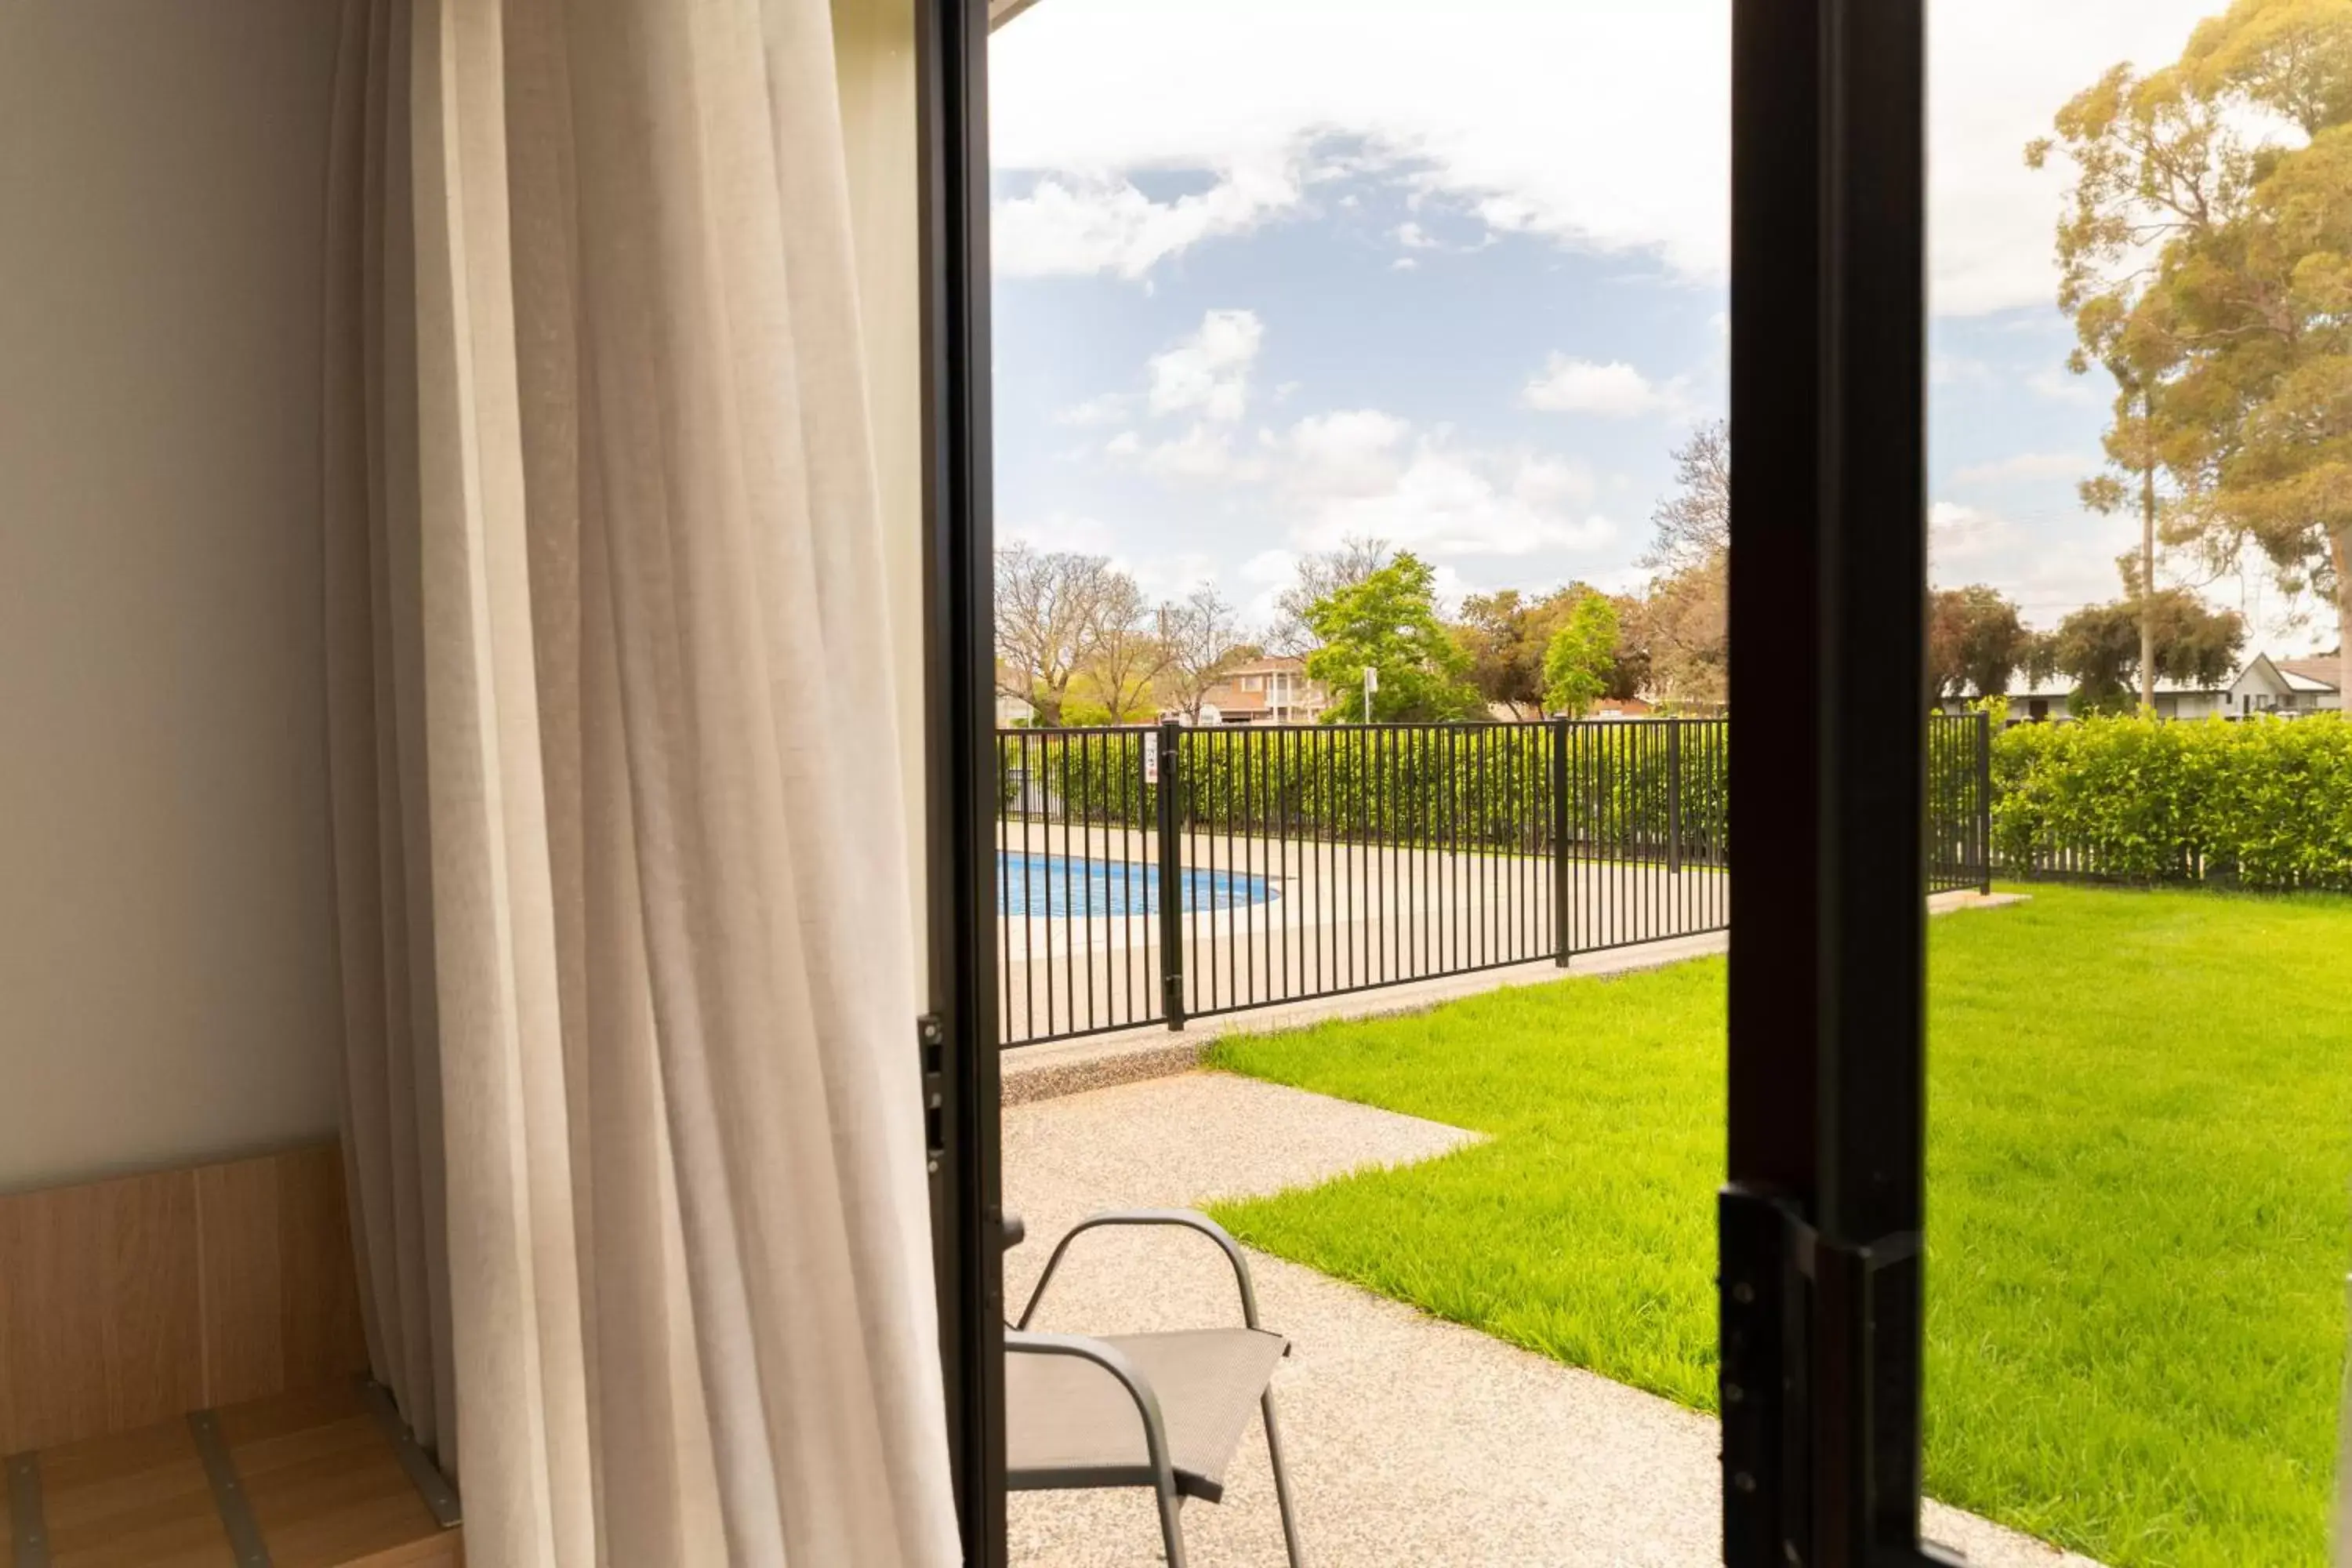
x=1795, y=1370
x=931, y=1038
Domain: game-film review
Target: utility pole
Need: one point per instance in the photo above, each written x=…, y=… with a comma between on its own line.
x=1371, y=685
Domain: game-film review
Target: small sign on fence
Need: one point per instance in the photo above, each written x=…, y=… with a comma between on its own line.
x=1150, y=757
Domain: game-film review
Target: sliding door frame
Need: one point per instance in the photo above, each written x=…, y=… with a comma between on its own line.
x=959, y=1038
x=1821, y=1269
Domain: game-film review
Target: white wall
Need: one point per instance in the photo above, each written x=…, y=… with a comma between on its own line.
x=167, y=981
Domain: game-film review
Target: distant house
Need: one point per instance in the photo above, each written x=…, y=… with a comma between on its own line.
x=1602, y=708
x=1012, y=711
x=2264, y=685
x=1273, y=690
x=2047, y=700
x=2270, y=685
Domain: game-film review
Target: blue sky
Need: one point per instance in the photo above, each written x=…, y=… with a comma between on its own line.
x=1272, y=273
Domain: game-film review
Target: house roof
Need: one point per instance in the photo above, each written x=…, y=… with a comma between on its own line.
x=2060, y=686
x=2308, y=674
x=1273, y=664
x=2295, y=673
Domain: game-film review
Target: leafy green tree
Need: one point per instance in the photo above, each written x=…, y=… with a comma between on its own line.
x=2098, y=647
x=2156, y=162
x=1503, y=635
x=1506, y=635
x=1580, y=656
x=2209, y=261
x=1975, y=642
x=1388, y=621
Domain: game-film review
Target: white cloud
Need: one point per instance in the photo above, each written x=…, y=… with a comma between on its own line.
x=1611, y=391
x=1207, y=374
x=1062, y=531
x=1413, y=236
x=1351, y=451
x=1108, y=409
x=1364, y=473
x=2064, y=386
x=2050, y=564
x=1954, y=370
x=1202, y=453
x=1405, y=264
x=1080, y=223
x=1355, y=472
x=2026, y=466
x=1603, y=125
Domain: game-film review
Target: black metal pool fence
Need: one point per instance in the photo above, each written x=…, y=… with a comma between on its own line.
x=1156, y=875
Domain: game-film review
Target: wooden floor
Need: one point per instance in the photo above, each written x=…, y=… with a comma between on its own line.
x=322, y=1480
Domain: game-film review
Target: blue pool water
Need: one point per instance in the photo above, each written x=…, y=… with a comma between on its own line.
x=1060, y=885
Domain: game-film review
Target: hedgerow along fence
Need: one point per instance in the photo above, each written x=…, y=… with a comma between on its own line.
x=2259, y=804
x=1157, y=875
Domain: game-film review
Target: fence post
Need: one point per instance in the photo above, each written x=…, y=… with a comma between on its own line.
x=1674, y=796
x=1171, y=875
x=1562, y=884
x=1984, y=799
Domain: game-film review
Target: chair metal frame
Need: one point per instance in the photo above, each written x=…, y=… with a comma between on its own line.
x=1020, y=1339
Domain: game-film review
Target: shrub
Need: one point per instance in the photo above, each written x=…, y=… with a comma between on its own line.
x=2261, y=804
x=1486, y=786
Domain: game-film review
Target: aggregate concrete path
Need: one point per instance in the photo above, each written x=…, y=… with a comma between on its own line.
x=1411, y=1441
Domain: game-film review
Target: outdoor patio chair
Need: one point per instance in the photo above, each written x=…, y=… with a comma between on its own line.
x=1160, y=1410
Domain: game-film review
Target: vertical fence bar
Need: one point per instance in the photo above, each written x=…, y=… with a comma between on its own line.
x=1171, y=876
x=1563, y=940
x=1674, y=796
x=1984, y=800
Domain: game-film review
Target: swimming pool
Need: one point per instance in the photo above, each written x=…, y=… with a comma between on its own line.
x=1063, y=885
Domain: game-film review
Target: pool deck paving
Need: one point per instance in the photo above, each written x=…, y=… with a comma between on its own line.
x=1333, y=917
x=1410, y=1440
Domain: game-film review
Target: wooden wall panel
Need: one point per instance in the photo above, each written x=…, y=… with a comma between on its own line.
x=129, y=1302
x=152, y=1310
x=244, y=1283
x=319, y=1302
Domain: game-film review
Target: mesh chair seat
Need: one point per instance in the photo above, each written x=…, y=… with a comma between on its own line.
x=1069, y=1424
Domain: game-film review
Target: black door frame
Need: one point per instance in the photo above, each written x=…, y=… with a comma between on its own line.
x=1821, y=1217
x=959, y=1038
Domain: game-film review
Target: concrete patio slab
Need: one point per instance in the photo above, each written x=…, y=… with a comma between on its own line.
x=1411, y=1441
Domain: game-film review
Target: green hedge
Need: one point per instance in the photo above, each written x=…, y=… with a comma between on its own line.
x=1483, y=786
x=2263, y=803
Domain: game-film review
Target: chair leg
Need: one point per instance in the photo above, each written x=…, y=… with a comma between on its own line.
x=1281, y=1483
x=1171, y=1528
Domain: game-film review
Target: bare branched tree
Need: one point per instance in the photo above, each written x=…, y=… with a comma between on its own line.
x=1321, y=576
x=1126, y=654
x=1693, y=526
x=1202, y=640
x=1052, y=607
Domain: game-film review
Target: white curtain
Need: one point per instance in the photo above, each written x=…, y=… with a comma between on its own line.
x=634, y=1131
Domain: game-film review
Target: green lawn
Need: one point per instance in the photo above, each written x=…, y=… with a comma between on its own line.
x=2140, y=1142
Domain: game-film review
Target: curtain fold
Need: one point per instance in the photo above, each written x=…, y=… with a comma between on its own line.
x=633, y=1118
